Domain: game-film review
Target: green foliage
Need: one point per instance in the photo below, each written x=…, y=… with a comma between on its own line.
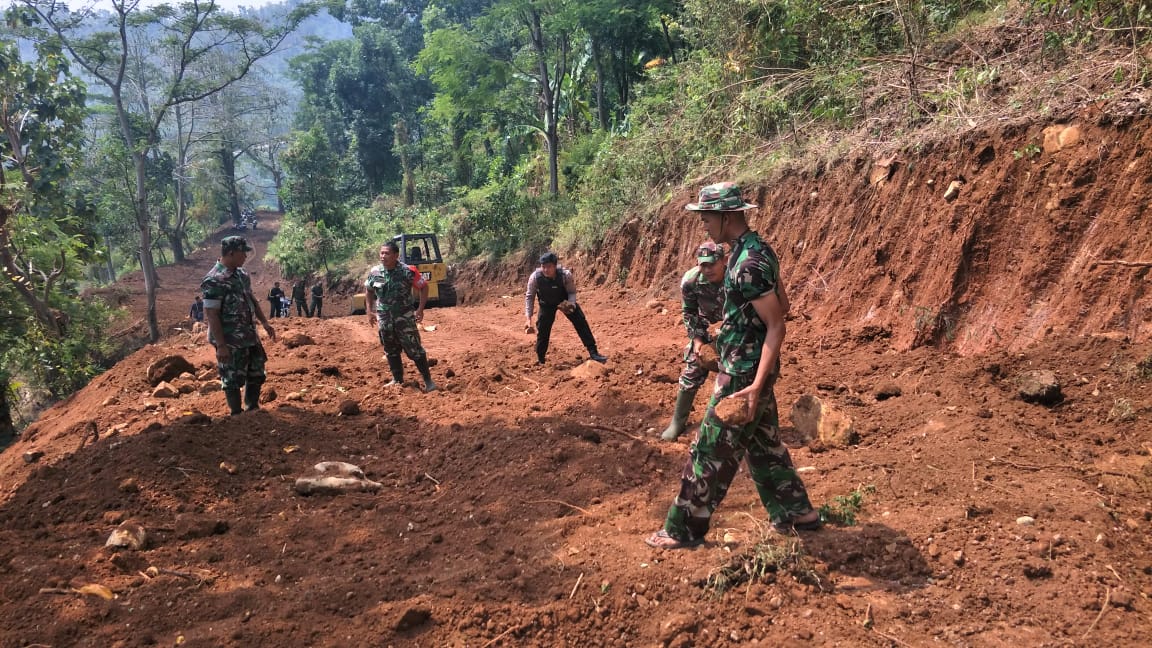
x=766, y=559
x=843, y=509
x=1030, y=150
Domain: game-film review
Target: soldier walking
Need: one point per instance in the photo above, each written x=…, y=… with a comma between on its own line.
x=388, y=298
x=300, y=299
x=702, y=303
x=317, y=299
x=749, y=345
x=230, y=309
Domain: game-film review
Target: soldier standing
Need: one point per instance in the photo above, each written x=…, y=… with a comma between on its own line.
x=274, y=296
x=749, y=345
x=388, y=298
x=300, y=299
x=317, y=299
x=230, y=309
x=702, y=303
x=556, y=289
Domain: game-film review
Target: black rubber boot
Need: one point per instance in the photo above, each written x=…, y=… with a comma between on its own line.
x=233, y=398
x=396, y=365
x=252, y=397
x=426, y=374
x=684, y=401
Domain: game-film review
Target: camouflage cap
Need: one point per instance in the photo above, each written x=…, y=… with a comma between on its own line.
x=233, y=243
x=723, y=196
x=709, y=252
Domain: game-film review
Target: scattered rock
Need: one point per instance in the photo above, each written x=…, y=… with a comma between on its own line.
x=349, y=407
x=294, y=396
x=168, y=368
x=654, y=304
x=733, y=411
x=817, y=420
x=1025, y=520
x=675, y=626
x=412, y=618
x=227, y=467
x=953, y=190
x=111, y=400
x=708, y=358
x=268, y=394
x=341, y=468
x=190, y=526
x=194, y=418
x=890, y=390
x=958, y=558
x=1037, y=569
x=129, y=485
x=448, y=373
x=335, y=485
x=32, y=456
x=297, y=340
x=330, y=371
x=1122, y=599
x=208, y=388
x=165, y=390
x=1040, y=387
x=129, y=535
x=590, y=369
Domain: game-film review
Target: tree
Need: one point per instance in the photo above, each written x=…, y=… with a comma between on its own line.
x=187, y=34
x=41, y=221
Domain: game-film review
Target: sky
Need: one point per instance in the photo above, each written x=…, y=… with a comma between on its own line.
x=229, y=5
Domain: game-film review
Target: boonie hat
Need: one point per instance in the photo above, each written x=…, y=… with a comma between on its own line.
x=722, y=196
x=709, y=252
x=233, y=243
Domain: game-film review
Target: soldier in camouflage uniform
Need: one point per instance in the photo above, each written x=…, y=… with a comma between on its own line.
x=702, y=303
x=388, y=298
x=229, y=307
x=749, y=347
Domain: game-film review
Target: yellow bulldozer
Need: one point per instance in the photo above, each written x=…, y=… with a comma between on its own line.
x=423, y=252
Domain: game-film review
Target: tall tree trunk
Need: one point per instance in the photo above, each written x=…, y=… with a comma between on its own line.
x=403, y=145
x=668, y=39
x=228, y=165
x=147, y=263
x=601, y=103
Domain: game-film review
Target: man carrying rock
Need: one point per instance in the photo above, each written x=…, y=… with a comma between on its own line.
x=230, y=309
x=702, y=303
x=556, y=289
x=388, y=300
x=749, y=345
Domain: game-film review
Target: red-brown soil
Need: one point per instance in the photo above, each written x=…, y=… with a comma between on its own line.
x=516, y=499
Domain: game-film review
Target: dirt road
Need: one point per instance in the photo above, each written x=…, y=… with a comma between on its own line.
x=515, y=500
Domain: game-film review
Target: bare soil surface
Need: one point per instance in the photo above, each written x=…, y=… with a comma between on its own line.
x=514, y=501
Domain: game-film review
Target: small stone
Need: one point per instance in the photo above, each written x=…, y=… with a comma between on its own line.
x=229, y=468
x=890, y=390
x=129, y=485
x=294, y=396
x=165, y=390
x=958, y=558
x=129, y=535
x=933, y=550
x=413, y=617
x=1132, y=524
x=349, y=407
x=32, y=456
x=1122, y=599
x=1025, y=520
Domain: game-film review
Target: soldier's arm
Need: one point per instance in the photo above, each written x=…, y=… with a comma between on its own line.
x=770, y=311
x=530, y=298
x=696, y=325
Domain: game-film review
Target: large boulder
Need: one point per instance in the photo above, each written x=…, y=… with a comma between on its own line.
x=817, y=420
x=1040, y=387
x=168, y=368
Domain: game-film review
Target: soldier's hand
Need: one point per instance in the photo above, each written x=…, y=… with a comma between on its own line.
x=223, y=353
x=567, y=307
x=419, y=314
x=270, y=331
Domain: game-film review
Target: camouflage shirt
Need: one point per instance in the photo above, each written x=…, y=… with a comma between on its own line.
x=753, y=271
x=701, y=301
x=394, y=287
x=231, y=292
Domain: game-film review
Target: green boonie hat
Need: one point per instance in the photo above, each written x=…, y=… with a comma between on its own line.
x=233, y=243
x=709, y=252
x=723, y=196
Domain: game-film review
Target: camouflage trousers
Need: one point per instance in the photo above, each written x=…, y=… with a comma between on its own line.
x=400, y=333
x=693, y=376
x=716, y=455
x=246, y=367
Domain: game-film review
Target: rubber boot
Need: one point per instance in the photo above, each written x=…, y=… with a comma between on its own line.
x=426, y=374
x=684, y=400
x=233, y=398
x=396, y=365
x=252, y=396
